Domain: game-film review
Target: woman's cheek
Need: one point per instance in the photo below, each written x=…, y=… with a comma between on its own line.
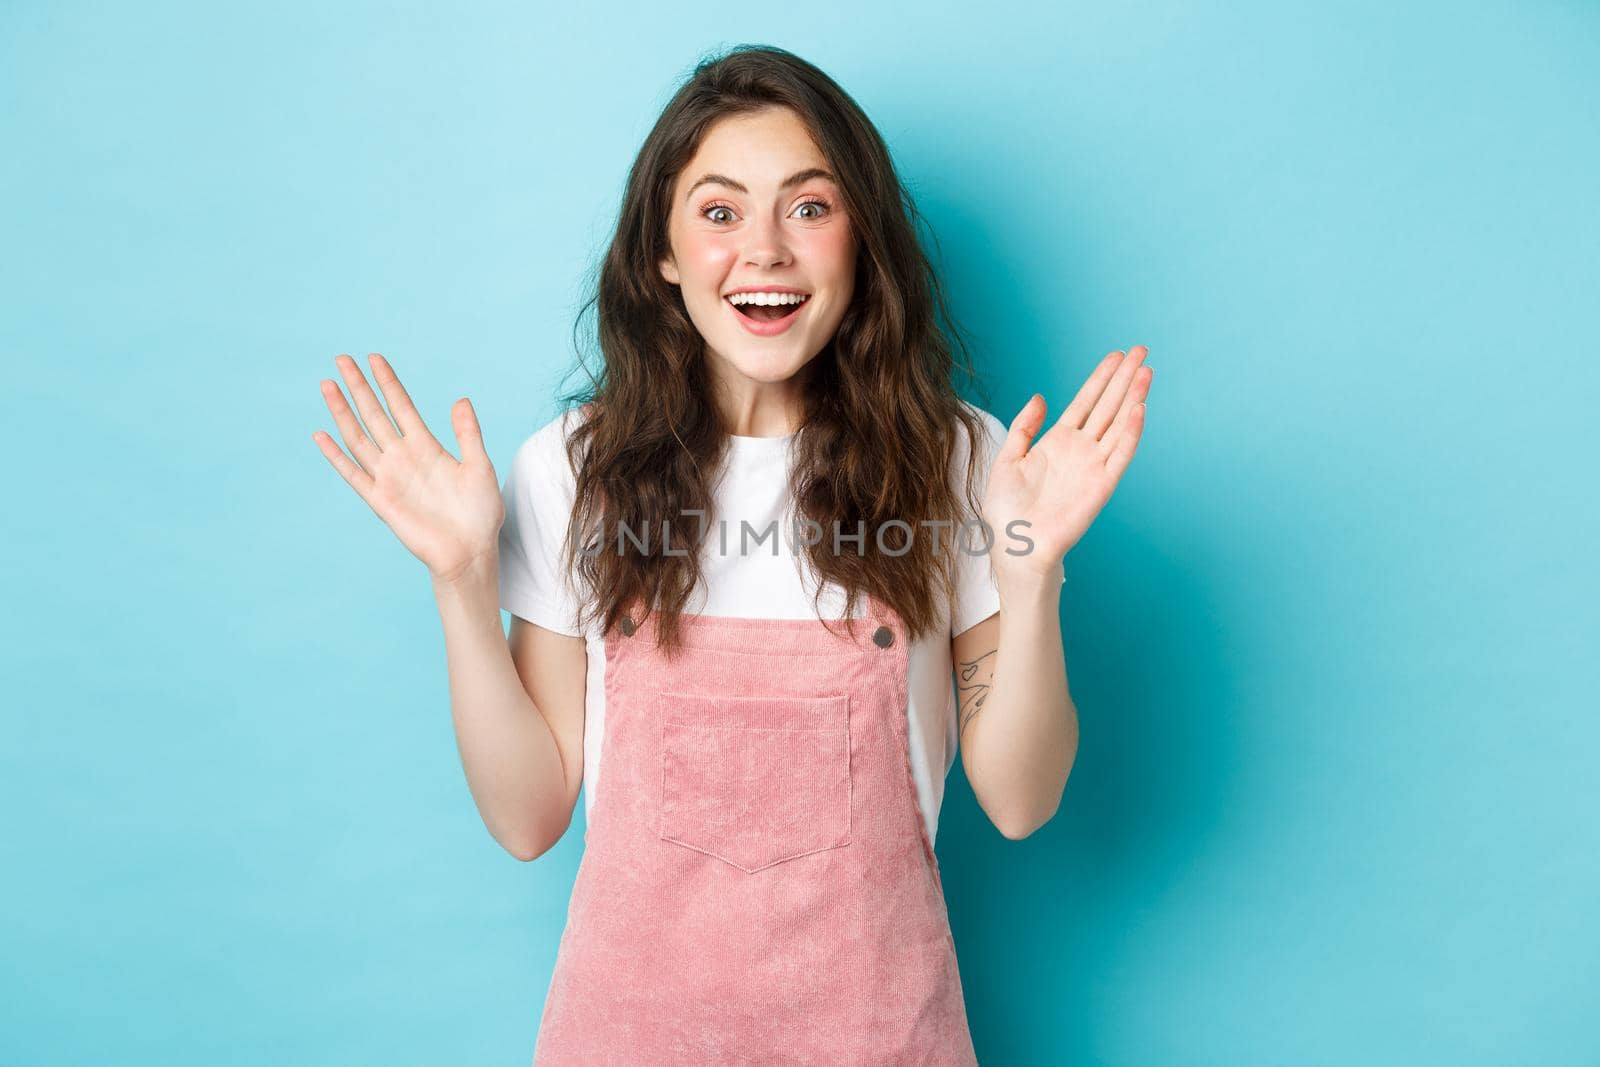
x=714, y=254
x=835, y=246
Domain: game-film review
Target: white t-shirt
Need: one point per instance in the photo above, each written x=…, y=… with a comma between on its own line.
x=752, y=578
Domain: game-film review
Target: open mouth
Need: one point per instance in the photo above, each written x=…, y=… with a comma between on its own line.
x=768, y=307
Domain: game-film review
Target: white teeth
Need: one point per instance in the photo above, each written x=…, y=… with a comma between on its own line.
x=770, y=299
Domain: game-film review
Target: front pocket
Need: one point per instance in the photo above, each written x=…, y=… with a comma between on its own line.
x=755, y=781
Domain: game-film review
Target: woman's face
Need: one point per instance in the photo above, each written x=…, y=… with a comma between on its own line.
x=757, y=209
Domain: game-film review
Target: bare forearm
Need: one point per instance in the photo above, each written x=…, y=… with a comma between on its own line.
x=1021, y=734
x=512, y=763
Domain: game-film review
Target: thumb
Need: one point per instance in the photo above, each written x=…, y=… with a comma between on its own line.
x=1023, y=429
x=469, y=435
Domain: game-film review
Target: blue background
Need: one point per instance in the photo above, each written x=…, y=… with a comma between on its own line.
x=1332, y=642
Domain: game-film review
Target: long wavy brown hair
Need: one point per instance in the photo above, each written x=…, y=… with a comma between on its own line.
x=880, y=413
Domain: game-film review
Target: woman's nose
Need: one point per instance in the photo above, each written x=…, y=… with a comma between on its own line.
x=766, y=246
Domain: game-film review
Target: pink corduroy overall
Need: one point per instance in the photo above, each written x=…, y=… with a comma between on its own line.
x=757, y=883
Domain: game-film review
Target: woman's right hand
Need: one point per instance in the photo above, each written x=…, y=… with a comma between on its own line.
x=447, y=513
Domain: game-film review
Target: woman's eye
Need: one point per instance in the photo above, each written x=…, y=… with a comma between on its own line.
x=820, y=209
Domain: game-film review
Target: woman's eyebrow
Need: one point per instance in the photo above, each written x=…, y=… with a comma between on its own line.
x=792, y=180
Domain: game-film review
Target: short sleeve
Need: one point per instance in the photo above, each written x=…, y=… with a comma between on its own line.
x=538, y=493
x=976, y=595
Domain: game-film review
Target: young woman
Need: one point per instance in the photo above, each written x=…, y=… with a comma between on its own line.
x=741, y=573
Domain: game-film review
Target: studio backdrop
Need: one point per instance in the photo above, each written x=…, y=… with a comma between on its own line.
x=1332, y=643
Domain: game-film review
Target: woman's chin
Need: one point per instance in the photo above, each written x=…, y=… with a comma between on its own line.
x=767, y=364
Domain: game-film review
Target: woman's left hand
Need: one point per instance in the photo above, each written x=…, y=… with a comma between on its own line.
x=1059, y=482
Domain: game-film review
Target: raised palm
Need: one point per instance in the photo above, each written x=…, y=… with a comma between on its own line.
x=1060, y=481
x=446, y=512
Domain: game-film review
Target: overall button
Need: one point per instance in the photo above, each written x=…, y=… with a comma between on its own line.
x=884, y=637
x=628, y=626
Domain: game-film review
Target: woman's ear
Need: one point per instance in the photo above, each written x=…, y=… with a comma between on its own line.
x=669, y=270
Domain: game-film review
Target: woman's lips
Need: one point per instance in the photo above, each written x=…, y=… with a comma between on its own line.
x=767, y=329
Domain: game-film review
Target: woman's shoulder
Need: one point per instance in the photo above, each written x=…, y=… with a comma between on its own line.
x=993, y=427
x=989, y=441
x=544, y=451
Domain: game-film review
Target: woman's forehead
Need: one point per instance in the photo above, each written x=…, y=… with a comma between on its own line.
x=768, y=149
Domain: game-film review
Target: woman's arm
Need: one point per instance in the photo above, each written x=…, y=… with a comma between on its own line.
x=518, y=709
x=1018, y=725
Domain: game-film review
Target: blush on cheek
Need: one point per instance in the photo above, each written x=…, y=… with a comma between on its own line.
x=710, y=256
x=830, y=256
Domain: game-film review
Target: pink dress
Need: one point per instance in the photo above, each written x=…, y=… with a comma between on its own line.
x=757, y=883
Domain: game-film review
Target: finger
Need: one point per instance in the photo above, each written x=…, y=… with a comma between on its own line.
x=1106, y=407
x=1136, y=395
x=379, y=428
x=404, y=411
x=1073, y=414
x=358, y=479
x=469, y=435
x=1023, y=428
x=1127, y=442
x=355, y=438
